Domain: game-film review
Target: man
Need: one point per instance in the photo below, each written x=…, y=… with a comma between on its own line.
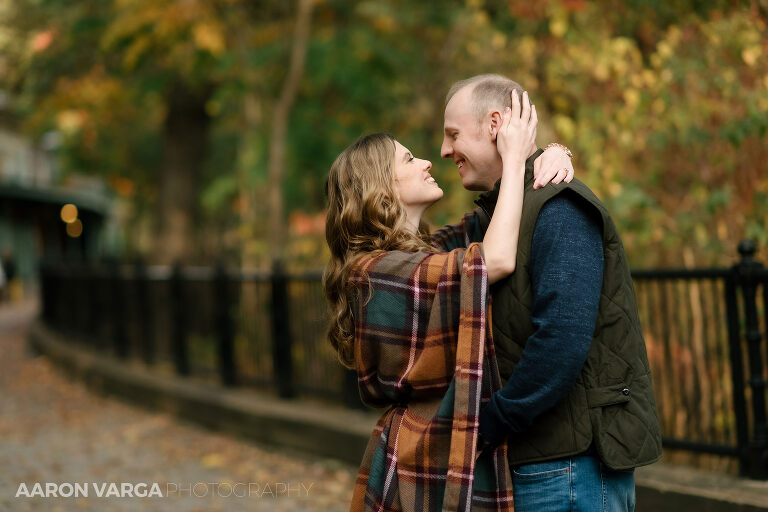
x=577, y=409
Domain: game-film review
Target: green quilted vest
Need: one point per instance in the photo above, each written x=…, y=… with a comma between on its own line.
x=612, y=403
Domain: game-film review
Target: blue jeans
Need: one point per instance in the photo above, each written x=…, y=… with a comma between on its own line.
x=580, y=483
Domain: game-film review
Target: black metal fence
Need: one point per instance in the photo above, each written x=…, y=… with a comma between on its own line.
x=242, y=329
x=705, y=331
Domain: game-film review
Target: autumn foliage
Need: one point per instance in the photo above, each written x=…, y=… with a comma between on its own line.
x=665, y=105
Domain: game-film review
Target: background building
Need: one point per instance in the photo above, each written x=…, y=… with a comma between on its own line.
x=32, y=194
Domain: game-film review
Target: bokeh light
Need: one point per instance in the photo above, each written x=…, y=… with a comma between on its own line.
x=69, y=213
x=75, y=229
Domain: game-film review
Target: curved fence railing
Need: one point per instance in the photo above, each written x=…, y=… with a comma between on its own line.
x=704, y=329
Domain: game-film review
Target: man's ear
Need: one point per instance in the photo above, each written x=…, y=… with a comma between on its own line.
x=495, y=124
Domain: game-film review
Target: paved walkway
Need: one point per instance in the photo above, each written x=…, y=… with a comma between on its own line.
x=53, y=430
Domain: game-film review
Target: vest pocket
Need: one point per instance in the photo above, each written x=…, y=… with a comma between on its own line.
x=608, y=395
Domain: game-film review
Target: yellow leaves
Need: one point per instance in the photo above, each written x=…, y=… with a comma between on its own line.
x=133, y=53
x=762, y=104
x=622, y=45
x=498, y=41
x=558, y=26
x=626, y=139
x=561, y=102
x=751, y=54
x=617, y=59
x=620, y=66
x=480, y=19
x=209, y=36
x=564, y=126
x=70, y=121
x=171, y=28
x=601, y=71
x=664, y=49
x=722, y=229
x=730, y=76
x=558, y=19
x=384, y=23
x=649, y=77
x=631, y=98
x=526, y=49
x=674, y=35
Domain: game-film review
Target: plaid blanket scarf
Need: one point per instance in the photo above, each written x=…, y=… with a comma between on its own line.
x=423, y=348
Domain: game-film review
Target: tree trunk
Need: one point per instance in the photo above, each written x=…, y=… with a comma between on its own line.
x=282, y=111
x=185, y=143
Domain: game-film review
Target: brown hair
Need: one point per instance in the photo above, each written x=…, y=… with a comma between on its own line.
x=364, y=216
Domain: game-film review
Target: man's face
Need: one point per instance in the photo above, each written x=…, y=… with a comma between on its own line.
x=470, y=144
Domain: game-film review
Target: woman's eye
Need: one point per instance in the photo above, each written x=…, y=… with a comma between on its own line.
x=410, y=160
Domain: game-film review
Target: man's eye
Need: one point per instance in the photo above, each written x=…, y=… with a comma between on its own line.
x=454, y=136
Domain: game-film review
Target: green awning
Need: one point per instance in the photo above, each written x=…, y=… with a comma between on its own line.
x=84, y=201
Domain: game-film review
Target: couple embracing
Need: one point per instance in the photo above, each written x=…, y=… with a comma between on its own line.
x=507, y=348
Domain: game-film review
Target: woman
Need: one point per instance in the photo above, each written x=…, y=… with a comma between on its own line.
x=410, y=313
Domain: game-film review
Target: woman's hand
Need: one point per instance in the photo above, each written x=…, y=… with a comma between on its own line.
x=552, y=166
x=517, y=134
x=514, y=141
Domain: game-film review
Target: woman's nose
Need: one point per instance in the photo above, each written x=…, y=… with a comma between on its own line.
x=428, y=165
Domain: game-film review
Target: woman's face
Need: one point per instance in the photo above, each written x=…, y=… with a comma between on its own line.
x=415, y=187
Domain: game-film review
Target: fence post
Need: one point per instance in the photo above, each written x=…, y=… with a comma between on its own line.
x=92, y=304
x=80, y=285
x=45, y=291
x=118, y=312
x=747, y=272
x=146, y=320
x=281, y=333
x=737, y=369
x=179, y=321
x=224, y=327
x=105, y=304
x=65, y=298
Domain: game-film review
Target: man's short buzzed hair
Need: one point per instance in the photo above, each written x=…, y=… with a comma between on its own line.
x=490, y=91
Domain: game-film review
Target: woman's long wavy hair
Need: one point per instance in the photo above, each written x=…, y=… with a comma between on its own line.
x=364, y=216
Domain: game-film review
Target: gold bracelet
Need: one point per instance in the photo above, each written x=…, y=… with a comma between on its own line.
x=568, y=152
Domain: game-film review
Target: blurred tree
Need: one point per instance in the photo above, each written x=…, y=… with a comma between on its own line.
x=160, y=63
x=182, y=103
x=281, y=113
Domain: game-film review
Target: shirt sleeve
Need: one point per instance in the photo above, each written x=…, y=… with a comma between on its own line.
x=453, y=236
x=566, y=279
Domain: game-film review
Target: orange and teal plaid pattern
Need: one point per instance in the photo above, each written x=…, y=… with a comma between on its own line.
x=423, y=348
